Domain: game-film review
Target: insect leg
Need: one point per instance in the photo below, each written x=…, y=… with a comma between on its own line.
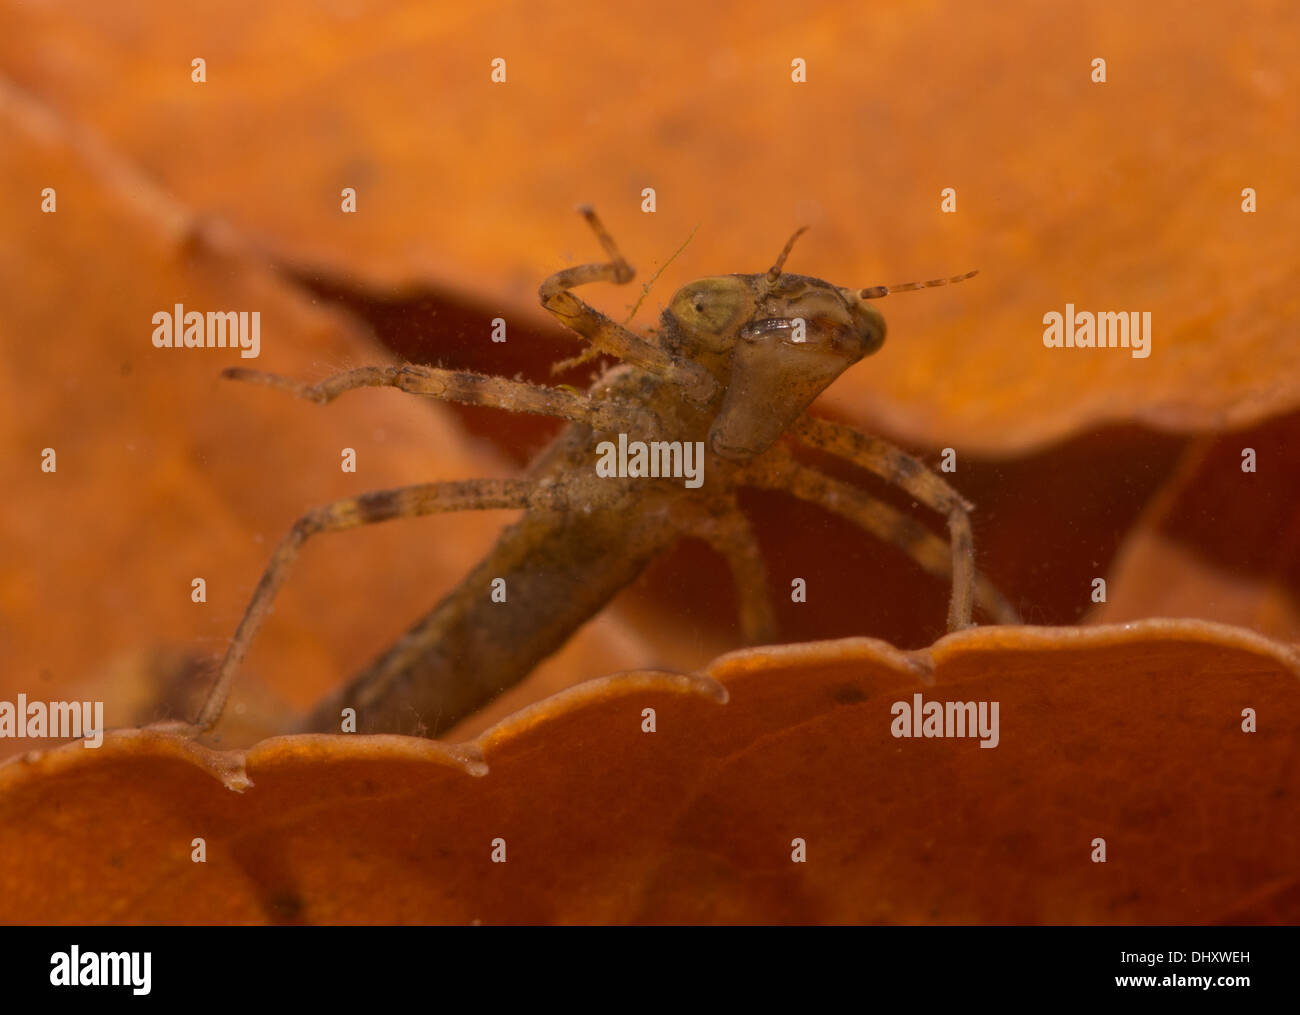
x=880, y=519
x=377, y=506
x=605, y=335
x=460, y=386
x=896, y=466
x=732, y=536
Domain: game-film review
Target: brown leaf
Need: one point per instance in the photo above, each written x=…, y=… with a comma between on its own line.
x=166, y=473
x=1117, y=196
x=1132, y=734
x=1221, y=542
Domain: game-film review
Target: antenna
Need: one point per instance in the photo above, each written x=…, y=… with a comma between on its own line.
x=875, y=292
x=774, y=272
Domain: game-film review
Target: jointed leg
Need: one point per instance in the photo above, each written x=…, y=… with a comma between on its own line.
x=886, y=523
x=898, y=467
x=379, y=506
x=733, y=537
x=607, y=336
x=461, y=386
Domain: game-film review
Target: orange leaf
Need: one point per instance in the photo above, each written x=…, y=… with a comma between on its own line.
x=1117, y=196
x=166, y=473
x=1130, y=734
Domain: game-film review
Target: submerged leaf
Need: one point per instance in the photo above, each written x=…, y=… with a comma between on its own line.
x=1129, y=734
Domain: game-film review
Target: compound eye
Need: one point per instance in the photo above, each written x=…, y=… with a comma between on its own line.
x=711, y=307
